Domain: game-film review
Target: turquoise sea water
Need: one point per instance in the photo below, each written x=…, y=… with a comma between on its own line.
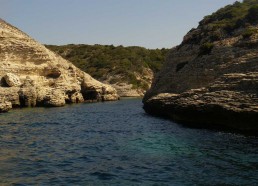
x=116, y=143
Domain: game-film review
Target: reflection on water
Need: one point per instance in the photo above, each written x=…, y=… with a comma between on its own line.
x=116, y=143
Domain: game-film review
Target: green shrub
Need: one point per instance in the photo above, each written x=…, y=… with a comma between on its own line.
x=252, y=15
x=206, y=48
x=247, y=33
x=179, y=66
x=102, y=60
x=232, y=17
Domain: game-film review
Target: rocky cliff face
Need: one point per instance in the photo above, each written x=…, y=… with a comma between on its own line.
x=129, y=69
x=211, y=79
x=32, y=75
x=125, y=88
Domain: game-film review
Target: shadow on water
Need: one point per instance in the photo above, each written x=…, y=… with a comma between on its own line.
x=116, y=143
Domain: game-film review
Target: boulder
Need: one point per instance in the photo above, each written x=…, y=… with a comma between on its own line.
x=12, y=80
x=28, y=97
x=76, y=98
x=94, y=90
x=28, y=93
x=11, y=95
x=55, y=98
x=5, y=106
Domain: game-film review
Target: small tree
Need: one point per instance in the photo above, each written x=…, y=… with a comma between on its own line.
x=252, y=15
x=206, y=48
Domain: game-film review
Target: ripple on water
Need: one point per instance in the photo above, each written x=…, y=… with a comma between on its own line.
x=116, y=143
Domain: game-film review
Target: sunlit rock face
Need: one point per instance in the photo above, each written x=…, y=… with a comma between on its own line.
x=32, y=75
x=211, y=78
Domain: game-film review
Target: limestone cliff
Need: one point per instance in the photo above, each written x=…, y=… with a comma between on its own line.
x=127, y=89
x=211, y=78
x=128, y=69
x=32, y=75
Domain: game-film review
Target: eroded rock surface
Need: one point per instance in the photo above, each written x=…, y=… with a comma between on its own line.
x=125, y=89
x=5, y=106
x=12, y=80
x=31, y=75
x=222, y=107
x=209, y=81
x=128, y=69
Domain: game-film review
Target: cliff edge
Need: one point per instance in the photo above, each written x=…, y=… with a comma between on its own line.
x=31, y=75
x=211, y=79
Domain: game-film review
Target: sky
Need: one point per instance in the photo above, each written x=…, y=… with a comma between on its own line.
x=148, y=23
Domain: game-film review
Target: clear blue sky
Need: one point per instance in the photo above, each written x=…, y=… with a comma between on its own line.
x=147, y=23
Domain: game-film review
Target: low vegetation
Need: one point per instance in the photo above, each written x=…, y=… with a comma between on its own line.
x=232, y=20
x=233, y=16
x=248, y=32
x=103, y=61
x=206, y=48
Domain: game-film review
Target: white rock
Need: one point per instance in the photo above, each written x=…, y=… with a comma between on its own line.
x=45, y=78
x=12, y=80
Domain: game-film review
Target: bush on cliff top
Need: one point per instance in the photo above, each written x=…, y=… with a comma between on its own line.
x=102, y=60
x=225, y=21
x=248, y=32
x=206, y=49
x=233, y=16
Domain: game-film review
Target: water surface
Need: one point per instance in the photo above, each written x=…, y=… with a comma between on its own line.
x=116, y=143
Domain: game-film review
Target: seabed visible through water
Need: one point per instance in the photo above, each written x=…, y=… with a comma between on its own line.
x=117, y=143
